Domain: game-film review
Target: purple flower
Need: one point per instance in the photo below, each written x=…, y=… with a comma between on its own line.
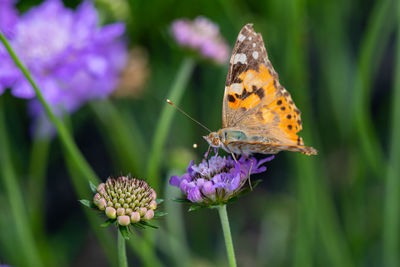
x=71, y=58
x=8, y=17
x=218, y=179
x=203, y=36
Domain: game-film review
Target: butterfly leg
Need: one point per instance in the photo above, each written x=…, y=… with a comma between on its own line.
x=208, y=152
x=249, y=173
x=233, y=156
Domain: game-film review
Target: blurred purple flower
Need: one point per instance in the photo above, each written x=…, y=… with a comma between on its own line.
x=8, y=17
x=216, y=180
x=71, y=58
x=201, y=35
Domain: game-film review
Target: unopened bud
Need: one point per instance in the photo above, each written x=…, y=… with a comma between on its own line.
x=135, y=217
x=120, y=211
x=149, y=215
x=124, y=220
x=153, y=205
x=102, y=203
x=111, y=212
x=142, y=211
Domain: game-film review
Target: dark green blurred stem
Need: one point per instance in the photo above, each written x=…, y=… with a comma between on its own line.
x=175, y=241
x=165, y=120
x=65, y=137
x=37, y=182
x=315, y=211
x=392, y=196
x=37, y=193
x=74, y=157
x=126, y=141
x=143, y=246
x=122, y=260
x=83, y=191
x=223, y=216
x=28, y=248
x=337, y=65
x=378, y=31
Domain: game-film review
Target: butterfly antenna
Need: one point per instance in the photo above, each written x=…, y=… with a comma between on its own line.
x=187, y=115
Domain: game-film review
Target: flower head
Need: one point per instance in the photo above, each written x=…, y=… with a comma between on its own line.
x=70, y=57
x=218, y=179
x=126, y=200
x=203, y=36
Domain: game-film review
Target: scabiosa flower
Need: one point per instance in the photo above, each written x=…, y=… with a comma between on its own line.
x=201, y=35
x=71, y=58
x=8, y=17
x=126, y=200
x=216, y=180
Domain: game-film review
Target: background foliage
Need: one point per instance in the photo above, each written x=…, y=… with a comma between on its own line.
x=339, y=61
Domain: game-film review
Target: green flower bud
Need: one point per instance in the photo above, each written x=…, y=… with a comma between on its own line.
x=142, y=211
x=126, y=199
x=149, y=215
x=128, y=211
x=153, y=205
x=135, y=217
x=102, y=204
x=120, y=211
x=96, y=199
x=124, y=220
x=111, y=213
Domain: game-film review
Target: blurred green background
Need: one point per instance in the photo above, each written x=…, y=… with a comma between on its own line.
x=340, y=62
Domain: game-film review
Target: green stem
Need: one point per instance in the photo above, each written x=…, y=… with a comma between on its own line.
x=73, y=153
x=36, y=183
x=392, y=196
x=122, y=260
x=375, y=40
x=125, y=140
x=65, y=137
x=144, y=248
x=164, y=123
x=316, y=215
x=223, y=215
x=28, y=247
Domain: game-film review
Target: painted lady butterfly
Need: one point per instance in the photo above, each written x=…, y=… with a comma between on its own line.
x=258, y=114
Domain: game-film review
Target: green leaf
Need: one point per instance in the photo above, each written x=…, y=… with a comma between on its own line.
x=148, y=224
x=87, y=203
x=159, y=214
x=93, y=187
x=196, y=207
x=159, y=201
x=108, y=223
x=182, y=200
x=124, y=232
x=137, y=225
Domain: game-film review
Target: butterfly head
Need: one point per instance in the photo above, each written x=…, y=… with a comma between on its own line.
x=214, y=139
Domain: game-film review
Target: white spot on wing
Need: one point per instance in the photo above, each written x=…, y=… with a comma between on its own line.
x=241, y=37
x=250, y=38
x=237, y=88
x=255, y=54
x=254, y=44
x=240, y=58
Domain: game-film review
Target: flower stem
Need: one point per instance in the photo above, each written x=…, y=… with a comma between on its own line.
x=65, y=137
x=378, y=32
x=28, y=247
x=165, y=120
x=223, y=215
x=391, y=217
x=122, y=260
x=125, y=141
x=72, y=151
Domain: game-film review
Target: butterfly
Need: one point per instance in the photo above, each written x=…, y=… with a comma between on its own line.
x=258, y=113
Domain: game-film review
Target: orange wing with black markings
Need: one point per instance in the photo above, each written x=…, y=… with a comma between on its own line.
x=254, y=101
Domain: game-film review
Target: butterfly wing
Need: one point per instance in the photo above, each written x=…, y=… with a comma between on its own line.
x=254, y=100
